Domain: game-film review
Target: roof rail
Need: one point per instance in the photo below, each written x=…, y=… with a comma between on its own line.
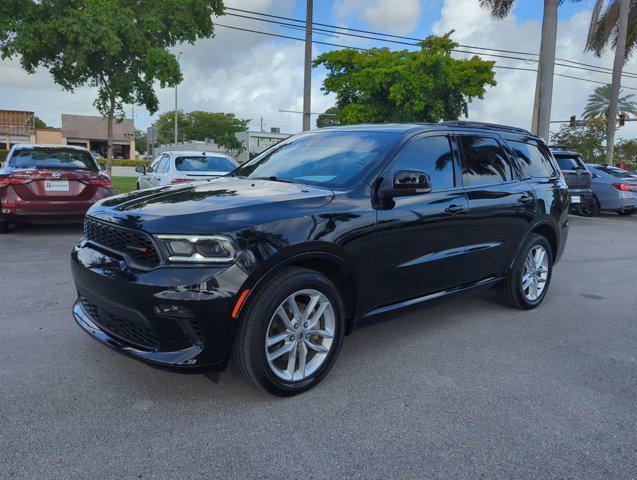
x=492, y=126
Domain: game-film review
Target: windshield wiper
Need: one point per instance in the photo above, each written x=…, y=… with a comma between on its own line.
x=275, y=179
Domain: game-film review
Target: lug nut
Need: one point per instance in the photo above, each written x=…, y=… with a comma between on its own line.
x=292, y=338
x=296, y=325
x=305, y=325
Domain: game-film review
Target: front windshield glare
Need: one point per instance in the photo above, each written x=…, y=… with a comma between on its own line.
x=331, y=159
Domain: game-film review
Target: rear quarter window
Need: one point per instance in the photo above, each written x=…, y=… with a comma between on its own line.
x=532, y=160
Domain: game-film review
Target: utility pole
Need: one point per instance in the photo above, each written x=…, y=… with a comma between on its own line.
x=307, y=76
x=262, y=124
x=176, y=137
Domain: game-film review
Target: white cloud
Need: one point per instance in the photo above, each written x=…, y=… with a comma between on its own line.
x=511, y=101
x=395, y=16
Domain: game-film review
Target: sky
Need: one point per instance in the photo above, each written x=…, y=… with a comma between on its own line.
x=255, y=76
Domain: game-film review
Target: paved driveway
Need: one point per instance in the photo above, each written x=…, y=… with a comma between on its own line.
x=462, y=389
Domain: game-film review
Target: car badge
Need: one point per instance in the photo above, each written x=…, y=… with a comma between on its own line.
x=56, y=175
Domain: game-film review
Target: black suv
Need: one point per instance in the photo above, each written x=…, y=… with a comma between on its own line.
x=276, y=262
x=578, y=179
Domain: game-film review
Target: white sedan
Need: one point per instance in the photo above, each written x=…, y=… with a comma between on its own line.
x=180, y=167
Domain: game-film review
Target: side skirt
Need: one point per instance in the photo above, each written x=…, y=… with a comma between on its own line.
x=487, y=282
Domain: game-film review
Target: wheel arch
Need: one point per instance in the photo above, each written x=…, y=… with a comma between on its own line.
x=548, y=231
x=333, y=266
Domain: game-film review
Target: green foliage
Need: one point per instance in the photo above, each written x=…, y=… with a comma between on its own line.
x=324, y=120
x=124, y=162
x=587, y=138
x=41, y=124
x=3, y=155
x=625, y=151
x=141, y=145
x=120, y=47
x=598, y=103
x=427, y=85
x=199, y=125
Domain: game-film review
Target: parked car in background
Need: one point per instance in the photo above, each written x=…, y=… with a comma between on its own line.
x=276, y=262
x=181, y=167
x=614, y=189
x=49, y=183
x=577, y=177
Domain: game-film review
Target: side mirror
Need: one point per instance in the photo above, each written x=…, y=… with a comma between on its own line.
x=102, y=167
x=141, y=169
x=408, y=183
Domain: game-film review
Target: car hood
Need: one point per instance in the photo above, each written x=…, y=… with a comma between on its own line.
x=216, y=205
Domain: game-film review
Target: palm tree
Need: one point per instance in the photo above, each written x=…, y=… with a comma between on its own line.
x=546, y=64
x=611, y=25
x=598, y=104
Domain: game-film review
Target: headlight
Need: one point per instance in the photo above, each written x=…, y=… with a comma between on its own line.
x=198, y=248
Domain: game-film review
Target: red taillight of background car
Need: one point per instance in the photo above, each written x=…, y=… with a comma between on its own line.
x=626, y=187
x=15, y=179
x=179, y=180
x=100, y=182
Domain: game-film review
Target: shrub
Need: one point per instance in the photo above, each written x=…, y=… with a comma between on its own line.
x=123, y=162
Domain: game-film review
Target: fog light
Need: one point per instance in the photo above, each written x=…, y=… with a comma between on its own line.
x=167, y=310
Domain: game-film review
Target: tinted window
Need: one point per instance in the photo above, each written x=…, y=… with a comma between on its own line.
x=485, y=161
x=569, y=162
x=42, y=158
x=162, y=167
x=533, y=162
x=431, y=154
x=204, y=164
x=331, y=159
x=616, y=172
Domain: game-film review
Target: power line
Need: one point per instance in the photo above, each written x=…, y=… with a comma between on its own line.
x=366, y=49
x=596, y=69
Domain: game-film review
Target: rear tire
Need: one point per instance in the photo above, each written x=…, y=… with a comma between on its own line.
x=590, y=208
x=528, y=281
x=311, y=338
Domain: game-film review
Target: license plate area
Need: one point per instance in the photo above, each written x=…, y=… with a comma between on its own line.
x=56, y=186
x=576, y=199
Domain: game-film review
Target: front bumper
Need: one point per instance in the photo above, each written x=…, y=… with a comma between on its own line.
x=171, y=317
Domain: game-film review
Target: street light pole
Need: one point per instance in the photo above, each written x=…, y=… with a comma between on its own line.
x=307, y=74
x=176, y=138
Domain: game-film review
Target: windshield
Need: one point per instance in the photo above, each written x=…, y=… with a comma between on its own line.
x=44, y=158
x=204, y=164
x=330, y=159
x=569, y=163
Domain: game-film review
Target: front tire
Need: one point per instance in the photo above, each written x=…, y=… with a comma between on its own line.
x=590, y=208
x=626, y=212
x=291, y=332
x=528, y=281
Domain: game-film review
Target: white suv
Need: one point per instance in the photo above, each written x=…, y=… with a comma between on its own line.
x=183, y=166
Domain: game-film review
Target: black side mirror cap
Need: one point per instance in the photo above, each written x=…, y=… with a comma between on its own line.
x=140, y=169
x=407, y=183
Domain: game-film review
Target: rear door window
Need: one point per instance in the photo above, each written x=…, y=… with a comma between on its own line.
x=430, y=154
x=485, y=163
x=533, y=162
x=56, y=158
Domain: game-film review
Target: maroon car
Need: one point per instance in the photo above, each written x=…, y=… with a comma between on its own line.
x=49, y=183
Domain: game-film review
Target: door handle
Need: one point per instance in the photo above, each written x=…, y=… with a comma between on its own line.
x=525, y=199
x=454, y=209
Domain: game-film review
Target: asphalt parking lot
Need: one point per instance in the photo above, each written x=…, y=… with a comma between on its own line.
x=461, y=389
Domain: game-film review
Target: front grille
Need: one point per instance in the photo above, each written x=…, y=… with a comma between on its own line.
x=138, y=333
x=126, y=241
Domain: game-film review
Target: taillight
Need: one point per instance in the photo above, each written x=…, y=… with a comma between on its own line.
x=15, y=179
x=100, y=182
x=624, y=187
x=564, y=172
x=179, y=180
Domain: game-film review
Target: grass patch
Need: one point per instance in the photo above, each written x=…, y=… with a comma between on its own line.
x=124, y=184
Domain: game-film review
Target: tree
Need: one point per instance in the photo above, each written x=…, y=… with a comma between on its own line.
x=329, y=118
x=198, y=125
x=546, y=64
x=40, y=124
x=626, y=150
x=586, y=138
x=598, y=104
x=611, y=25
x=426, y=85
x=120, y=47
x=141, y=145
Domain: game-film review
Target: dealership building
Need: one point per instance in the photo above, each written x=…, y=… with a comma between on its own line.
x=83, y=130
